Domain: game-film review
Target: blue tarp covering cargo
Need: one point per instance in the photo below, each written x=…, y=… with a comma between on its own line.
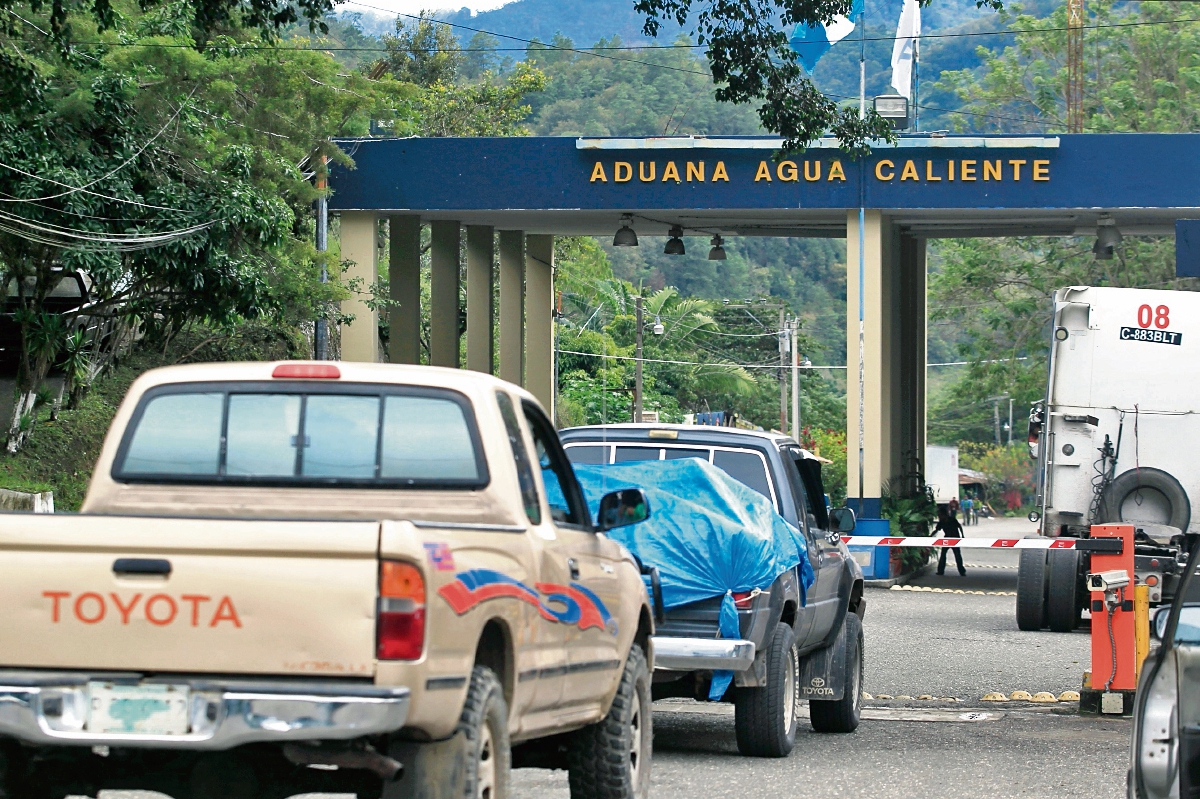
x=708, y=534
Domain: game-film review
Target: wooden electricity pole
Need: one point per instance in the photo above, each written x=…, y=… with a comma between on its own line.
x=1075, y=66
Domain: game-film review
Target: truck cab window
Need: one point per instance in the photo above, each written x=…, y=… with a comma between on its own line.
x=529, y=494
x=562, y=490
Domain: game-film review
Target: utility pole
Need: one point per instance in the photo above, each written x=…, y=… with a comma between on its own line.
x=783, y=351
x=996, y=419
x=321, y=331
x=637, y=368
x=1075, y=66
x=1010, y=420
x=795, y=336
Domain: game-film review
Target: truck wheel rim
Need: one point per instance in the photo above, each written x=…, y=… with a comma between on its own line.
x=486, y=772
x=789, y=690
x=856, y=681
x=635, y=737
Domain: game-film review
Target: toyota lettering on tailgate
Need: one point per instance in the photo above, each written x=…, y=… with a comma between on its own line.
x=90, y=607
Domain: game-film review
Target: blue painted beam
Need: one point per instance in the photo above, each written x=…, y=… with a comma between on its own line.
x=1084, y=171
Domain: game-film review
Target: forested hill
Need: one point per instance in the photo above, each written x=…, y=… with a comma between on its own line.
x=584, y=23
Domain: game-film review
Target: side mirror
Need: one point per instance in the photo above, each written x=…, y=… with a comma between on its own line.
x=1158, y=624
x=842, y=520
x=622, y=508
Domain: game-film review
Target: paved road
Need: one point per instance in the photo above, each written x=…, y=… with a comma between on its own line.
x=945, y=645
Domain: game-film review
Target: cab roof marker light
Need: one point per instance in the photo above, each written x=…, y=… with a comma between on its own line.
x=307, y=371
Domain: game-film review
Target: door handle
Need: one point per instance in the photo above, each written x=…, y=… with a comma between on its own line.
x=573, y=568
x=159, y=566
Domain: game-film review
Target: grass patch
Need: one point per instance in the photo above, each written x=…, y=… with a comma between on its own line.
x=61, y=454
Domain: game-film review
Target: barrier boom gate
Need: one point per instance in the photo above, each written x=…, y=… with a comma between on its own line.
x=1082, y=544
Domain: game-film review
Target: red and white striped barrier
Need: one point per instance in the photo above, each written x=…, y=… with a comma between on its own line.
x=1089, y=544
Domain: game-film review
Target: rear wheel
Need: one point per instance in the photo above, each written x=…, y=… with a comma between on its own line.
x=1062, y=593
x=1031, y=590
x=765, y=717
x=842, y=715
x=611, y=759
x=484, y=722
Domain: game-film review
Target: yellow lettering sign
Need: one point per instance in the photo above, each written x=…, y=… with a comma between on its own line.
x=788, y=172
x=1041, y=170
x=909, y=172
x=879, y=167
x=622, y=172
x=929, y=172
x=951, y=175
x=598, y=173
x=695, y=170
x=642, y=176
x=991, y=171
x=719, y=173
x=763, y=173
x=968, y=170
x=1016, y=165
x=835, y=171
x=816, y=172
x=670, y=173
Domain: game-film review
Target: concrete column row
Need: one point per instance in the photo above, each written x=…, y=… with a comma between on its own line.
x=526, y=289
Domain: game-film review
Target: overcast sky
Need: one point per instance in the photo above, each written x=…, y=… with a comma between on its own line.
x=416, y=6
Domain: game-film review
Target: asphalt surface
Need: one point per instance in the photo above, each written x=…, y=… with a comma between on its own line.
x=946, y=645
x=954, y=647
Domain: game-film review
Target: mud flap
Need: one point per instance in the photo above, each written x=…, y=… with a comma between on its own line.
x=431, y=770
x=823, y=672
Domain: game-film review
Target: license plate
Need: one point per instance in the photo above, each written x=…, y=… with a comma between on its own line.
x=137, y=709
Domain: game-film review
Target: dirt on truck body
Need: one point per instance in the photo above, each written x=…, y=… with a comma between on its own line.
x=282, y=565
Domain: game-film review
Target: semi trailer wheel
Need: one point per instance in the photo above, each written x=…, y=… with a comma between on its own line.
x=1063, y=604
x=1031, y=590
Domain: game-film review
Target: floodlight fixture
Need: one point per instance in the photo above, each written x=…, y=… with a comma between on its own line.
x=893, y=108
x=675, y=243
x=626, y=236
x=717, y=253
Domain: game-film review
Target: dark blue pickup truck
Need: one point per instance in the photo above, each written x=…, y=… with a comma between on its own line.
x=792, y=649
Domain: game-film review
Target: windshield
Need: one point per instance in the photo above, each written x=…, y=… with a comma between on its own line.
x=1188, y=631
x=405, y=437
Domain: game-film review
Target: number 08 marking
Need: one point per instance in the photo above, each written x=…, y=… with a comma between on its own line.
x=1160, y=317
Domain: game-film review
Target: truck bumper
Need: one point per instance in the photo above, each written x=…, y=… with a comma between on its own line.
x=52, y=709
x=701, y=654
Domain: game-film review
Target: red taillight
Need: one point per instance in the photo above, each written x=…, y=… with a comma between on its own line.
x=742, y=599
x=307, y=371
x=400, y=630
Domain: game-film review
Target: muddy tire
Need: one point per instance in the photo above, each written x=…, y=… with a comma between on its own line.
x=484, y=722
x=1062, y=593
x=1031, y=590
x=843, y=715
x=611, y=759
x=765, y=717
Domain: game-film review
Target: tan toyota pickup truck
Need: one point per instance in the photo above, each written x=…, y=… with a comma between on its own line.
x=296, y=577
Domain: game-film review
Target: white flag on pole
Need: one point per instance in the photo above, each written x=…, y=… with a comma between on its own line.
x=905, y=48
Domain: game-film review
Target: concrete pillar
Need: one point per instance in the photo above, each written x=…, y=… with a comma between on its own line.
x=443, y=294
x=539, y=319
x=910, y=300
x=480, y=319
x=404, y=283
x=512, y=306
x=360, y=244
x=870, y=464
x=894, y=360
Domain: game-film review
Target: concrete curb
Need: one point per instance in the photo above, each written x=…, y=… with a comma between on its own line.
x=895, y=581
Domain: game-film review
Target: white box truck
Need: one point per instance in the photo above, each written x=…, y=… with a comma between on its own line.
x=1115, y=440
x=941, y=472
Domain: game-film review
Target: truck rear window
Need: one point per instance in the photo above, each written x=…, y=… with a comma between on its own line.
x=272, y=434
